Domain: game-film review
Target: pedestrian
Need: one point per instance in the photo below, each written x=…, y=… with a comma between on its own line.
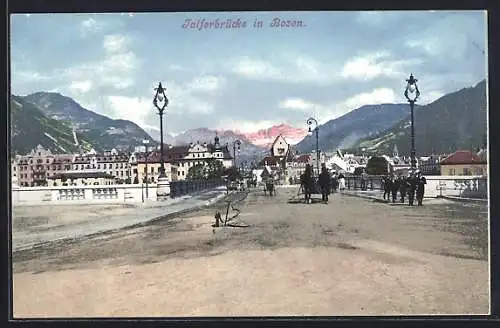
x=341, y=182
x=307, y=183
x=411, y=188
x=421, y=182
x=324, y=184
x=394, y=188
x=364, y=178
x=386, y=182
x=335, y=182
x=403, y=187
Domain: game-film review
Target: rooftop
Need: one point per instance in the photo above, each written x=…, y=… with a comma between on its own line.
x=463, y=157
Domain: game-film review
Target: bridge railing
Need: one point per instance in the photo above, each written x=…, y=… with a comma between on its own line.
x=186, y=187
x=437, y=186
x=372, y=182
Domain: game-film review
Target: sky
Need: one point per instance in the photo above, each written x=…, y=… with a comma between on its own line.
x=248, y=77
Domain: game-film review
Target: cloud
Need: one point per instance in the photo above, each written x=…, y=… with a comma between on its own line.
x=370, y=66
x=207, y=83
x=80, y=86
x=135, y=109
x=115, y=43
x=296, y=104
x=288, y=68
x=89, y=26
x=377, y=96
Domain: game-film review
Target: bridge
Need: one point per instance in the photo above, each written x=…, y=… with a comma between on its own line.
x=352, y=256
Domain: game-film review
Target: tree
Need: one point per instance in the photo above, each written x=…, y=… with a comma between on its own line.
x=213, y=169
x=377, y=165
x=196, y=172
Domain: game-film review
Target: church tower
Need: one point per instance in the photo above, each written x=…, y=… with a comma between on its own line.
x=395, y=152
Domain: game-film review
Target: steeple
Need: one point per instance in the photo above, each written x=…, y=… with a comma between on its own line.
x=395, y=152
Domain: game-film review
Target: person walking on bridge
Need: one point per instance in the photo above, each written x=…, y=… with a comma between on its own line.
x=412, y=187
x=394, y=188
x=307, y=183
x=421, y=182
x=403, y=187
x=324, y=183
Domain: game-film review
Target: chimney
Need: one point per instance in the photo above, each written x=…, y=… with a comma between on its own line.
x=191, y=145
x=204, y=144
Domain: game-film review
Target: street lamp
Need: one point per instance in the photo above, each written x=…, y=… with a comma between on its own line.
x=161, y=102
x=412, y=93
x=145, y=143
x=310, y=121
x=236, y=143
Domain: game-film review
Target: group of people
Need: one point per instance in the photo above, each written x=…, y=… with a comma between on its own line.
x=411, y=186
x=327, y=183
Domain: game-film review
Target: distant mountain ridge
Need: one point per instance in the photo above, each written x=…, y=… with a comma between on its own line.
x=457, y=120
x=108, y=133
x=30, y=127
x=265, y=137
x=346, y=130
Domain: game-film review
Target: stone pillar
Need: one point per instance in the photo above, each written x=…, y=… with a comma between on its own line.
x=162, y=189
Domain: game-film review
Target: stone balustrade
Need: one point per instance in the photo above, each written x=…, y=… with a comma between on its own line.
x=104, y=193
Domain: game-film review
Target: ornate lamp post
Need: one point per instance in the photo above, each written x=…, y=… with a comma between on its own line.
x=411, y=94
x=310, y=121
x=161, y=102
x=146, y=142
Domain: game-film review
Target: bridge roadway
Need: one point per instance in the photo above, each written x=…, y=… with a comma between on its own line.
x=37, y=225
x=352, y=256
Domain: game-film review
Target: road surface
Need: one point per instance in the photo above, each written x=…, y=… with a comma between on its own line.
x=352, y=256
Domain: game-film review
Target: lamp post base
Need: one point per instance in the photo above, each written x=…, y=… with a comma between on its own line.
x=162, y=189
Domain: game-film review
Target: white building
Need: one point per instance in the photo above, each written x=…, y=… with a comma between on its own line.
x=193, y=154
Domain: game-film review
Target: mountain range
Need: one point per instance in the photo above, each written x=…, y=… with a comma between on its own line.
x=346, y=130
x=120, y=134
x=455, y=121
x=30, y=127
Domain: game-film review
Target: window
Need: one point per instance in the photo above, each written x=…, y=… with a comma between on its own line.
x=466, y=171
x=152, y=170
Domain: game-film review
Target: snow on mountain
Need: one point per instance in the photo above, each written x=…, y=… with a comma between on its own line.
x=266, y=137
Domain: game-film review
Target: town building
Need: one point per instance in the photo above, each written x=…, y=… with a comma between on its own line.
x=80, y=178
x=148, y=169
x=464, y=162
x=185, y=157
x=111, y=162
x=296, y=167
x=34, y=168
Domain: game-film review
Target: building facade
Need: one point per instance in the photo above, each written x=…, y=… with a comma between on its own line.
x=464, y=162
x=111, y=162
x=186, y=157
x=148, y=169
x=34, y=168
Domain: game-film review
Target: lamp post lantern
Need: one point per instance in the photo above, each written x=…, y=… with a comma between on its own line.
x=310, y=121
x=161, y=102
x=146, y=142
x=411, y=94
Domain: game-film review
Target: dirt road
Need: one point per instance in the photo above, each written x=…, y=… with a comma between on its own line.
x=349, y=257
